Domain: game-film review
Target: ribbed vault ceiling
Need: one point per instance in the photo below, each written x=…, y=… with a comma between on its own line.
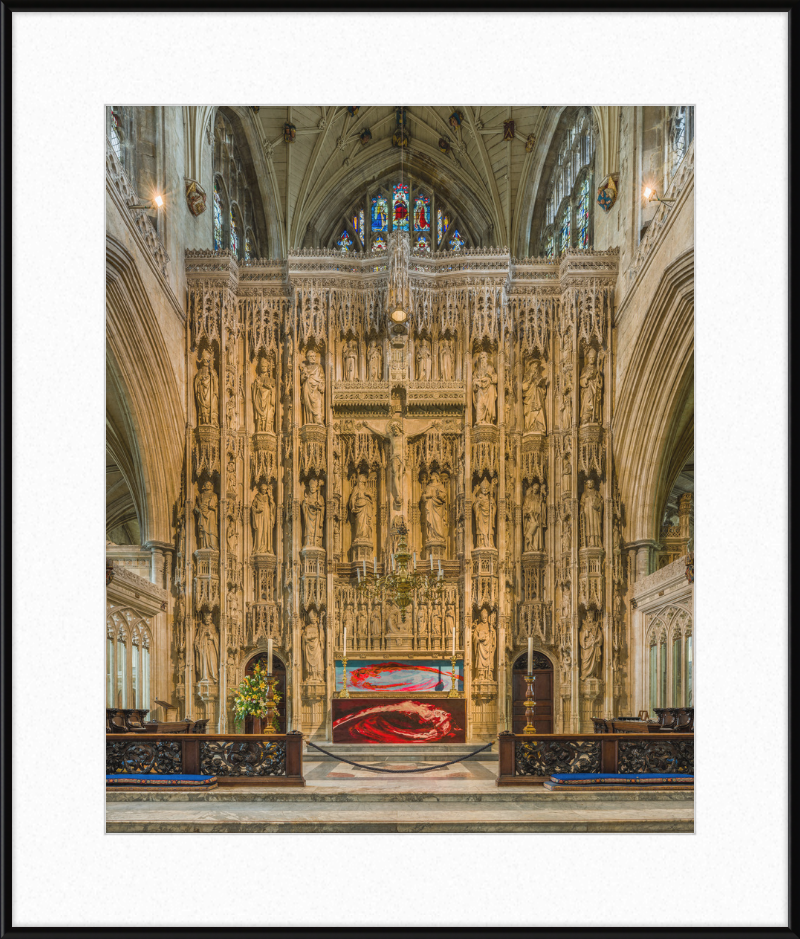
x=489, y=181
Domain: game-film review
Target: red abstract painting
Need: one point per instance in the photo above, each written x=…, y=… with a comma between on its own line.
x=404, y=720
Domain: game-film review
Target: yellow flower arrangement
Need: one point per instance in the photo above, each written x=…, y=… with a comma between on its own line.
x=251, y=697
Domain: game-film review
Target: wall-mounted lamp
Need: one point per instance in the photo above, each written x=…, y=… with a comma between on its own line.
x=652, y=196
x=155, y=203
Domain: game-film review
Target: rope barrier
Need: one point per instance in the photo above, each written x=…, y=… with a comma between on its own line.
x=378, y=769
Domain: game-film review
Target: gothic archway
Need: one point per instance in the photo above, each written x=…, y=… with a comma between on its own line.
x=542, y=693
x=256, y=725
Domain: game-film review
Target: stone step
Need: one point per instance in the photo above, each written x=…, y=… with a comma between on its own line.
x=391, y=793
x=580, y=816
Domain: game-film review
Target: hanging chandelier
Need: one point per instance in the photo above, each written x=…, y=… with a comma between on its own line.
x=402, y=582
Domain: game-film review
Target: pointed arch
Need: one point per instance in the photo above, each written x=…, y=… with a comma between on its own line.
x=654, y=415
x=148, y=447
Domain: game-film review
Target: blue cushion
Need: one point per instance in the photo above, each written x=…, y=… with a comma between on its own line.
x=158, y=779
x=618, y=776
x=620, y=780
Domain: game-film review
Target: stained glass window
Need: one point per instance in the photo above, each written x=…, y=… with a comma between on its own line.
x=456, y=242
x=564, y=233
x=400, y=207
x=248, y=245
x=234, y=235
x=378, y=243
x=423, y=243
x=115, y=133
x=380, y=214
x=549, y=248
x=358, y=225
x=345, y=242
x=582, y=215
x=422, y=213
x=569, y=192
x=442, y=224
x=217, y=218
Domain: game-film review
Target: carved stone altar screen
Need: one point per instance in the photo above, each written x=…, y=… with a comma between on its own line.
x=317, y=422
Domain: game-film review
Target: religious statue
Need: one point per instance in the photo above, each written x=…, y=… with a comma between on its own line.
x=566, y=535
x=312, y=380
x=263, y=399
x=231, y=467
x=484, y=390
x=591, y=382
x=312, y=508
x=361, y=627
x=484, y=508
x=449, y=621
x=374, y=361
x=446, y=359
x=566, y=609
x=534, y=513
x=206, y=650
x=397, y=465
x=566, y=408
x=592, y=514
x=312, y=647
x=230, y=407
x=206, y=510
x=232, y=615
x=436, y=626
x=434, y=505
x=348, y=622
x=206, y=390
x=232, y=535
x=337, y=474
x=375, y=627
x=350, y=356
x=534, y=396
x=423, y=360
x=566, y=472
x=422, y=621
x=508, y=404
x=591, y=640
x=361, y=508
x=485, y=640
x=262, y=517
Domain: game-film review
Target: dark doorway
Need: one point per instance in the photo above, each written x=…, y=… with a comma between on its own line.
x=542, y=694
x=253, y=725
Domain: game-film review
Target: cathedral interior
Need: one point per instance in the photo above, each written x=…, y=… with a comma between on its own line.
x=346, y=341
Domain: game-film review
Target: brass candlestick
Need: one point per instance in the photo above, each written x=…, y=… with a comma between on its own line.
x=453, y=693
x=270, y=704
x=344, y=693
x=529, y=705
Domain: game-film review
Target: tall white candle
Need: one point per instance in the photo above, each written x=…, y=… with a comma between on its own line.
x=431, y=557
x=269, y=657
x=454, y=642
x=375, y=564
x=344, y=654
x=530, y=655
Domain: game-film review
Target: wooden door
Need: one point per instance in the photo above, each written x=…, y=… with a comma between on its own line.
x=542, y=696
x=253, y=725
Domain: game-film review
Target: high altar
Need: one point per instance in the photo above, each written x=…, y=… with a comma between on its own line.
x=333, y=398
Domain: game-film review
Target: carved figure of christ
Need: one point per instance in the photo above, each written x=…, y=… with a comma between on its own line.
x=399, y=432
